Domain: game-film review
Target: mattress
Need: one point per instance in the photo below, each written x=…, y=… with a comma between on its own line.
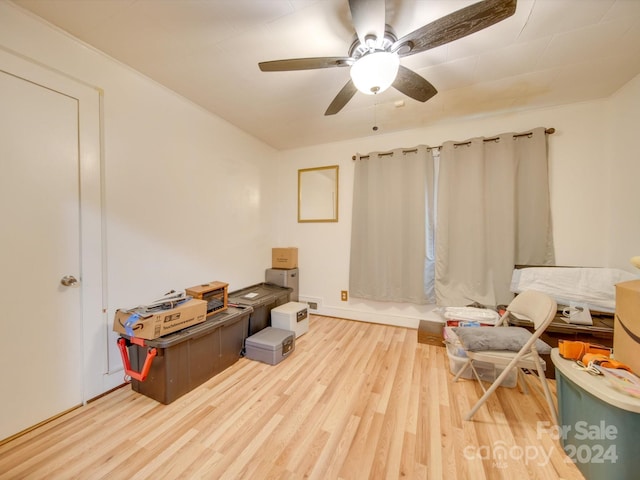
x=593, y=288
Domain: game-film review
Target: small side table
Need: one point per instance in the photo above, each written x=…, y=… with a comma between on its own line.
x=599, y=425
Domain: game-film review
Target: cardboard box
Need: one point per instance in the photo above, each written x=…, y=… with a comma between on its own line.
x=161, y=323
x=284, y=257
x=431, y=333
x=626, y=327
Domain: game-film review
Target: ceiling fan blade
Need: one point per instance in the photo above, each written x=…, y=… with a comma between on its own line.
x=413, y=85
x=343, y=97
x=304, y=64
x=456, y=25
x=368, y=18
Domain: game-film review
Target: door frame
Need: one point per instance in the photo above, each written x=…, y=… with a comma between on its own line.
x=92, y=253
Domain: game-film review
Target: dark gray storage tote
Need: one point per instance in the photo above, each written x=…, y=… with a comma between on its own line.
x=189, y=357
x=262, y=297
x=270, y=345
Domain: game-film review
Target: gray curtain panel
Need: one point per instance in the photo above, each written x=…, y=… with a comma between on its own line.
x=389, y=239
x=493, y=213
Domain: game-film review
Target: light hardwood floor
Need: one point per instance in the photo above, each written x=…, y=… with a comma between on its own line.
x=354, y=401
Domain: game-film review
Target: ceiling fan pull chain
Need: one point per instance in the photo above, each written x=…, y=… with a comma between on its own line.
x=375, y=116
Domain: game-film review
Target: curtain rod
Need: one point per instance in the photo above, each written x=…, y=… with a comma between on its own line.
x=548, y=131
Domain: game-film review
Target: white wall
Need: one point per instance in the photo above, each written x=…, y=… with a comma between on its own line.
x=188, y=198
x=588, y=165
x=623, y=226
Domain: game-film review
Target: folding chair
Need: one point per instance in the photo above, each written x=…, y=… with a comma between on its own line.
x=540, y=309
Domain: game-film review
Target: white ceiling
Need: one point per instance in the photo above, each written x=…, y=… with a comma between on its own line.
x=550, y=52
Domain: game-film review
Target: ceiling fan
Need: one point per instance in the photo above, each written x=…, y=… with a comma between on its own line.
x=374, y=55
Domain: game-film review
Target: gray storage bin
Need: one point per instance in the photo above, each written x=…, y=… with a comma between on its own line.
x=190, y=357
x=284, y=278
x=262, y=297
x=270, y=345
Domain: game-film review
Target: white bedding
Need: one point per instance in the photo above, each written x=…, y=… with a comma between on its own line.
x=471, y=314
x=590, y=287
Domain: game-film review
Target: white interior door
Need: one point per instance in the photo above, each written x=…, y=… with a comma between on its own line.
x=41, y=319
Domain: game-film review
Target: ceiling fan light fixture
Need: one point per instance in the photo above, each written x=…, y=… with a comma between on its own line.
x=375, y=51
x=375, y=72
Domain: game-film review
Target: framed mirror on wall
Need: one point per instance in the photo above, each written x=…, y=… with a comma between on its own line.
x=318, y=194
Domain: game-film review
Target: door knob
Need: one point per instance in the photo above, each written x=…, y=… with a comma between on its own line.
x=69, y=281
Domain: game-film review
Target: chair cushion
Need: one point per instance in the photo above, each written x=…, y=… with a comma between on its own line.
x=481, y=339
